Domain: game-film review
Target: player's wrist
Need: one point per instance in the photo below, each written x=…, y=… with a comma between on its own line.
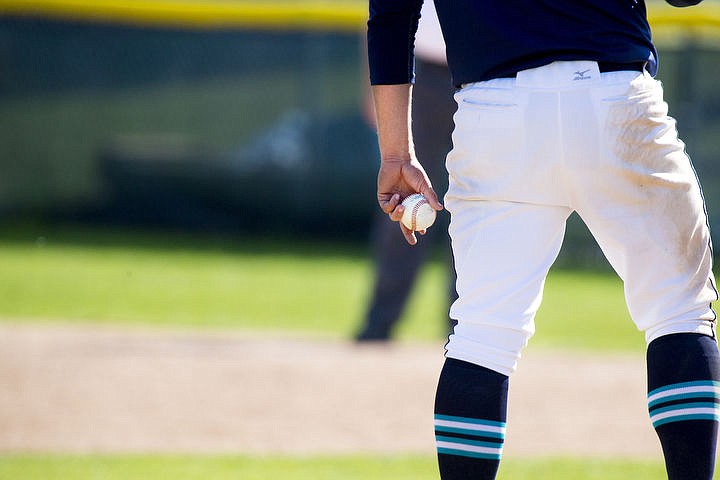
x=394, y=158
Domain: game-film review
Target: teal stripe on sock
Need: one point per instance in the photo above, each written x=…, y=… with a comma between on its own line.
x=463, y=453
x=698, y=383
x=465, y=441
x=684, y=406
x=682, y=418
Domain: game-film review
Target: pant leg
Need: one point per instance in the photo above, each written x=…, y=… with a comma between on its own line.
x=503, y=251
x=507, y=217
x=642, y=201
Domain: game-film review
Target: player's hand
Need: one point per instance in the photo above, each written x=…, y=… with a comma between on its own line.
x=397, y=179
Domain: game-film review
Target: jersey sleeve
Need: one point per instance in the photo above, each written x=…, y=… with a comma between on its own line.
x=391, y=37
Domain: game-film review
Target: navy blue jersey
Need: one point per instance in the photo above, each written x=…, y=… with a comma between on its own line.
x=488, y=39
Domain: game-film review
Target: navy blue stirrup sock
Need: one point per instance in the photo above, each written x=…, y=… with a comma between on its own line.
x=470, y=414
x=683, y=387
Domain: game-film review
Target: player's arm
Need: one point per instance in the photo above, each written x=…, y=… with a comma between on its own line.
x=400, y=172
x=391, y=30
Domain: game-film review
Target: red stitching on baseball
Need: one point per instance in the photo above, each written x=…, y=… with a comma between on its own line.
x=417, y=206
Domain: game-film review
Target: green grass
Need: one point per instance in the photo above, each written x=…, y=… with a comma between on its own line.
x=316, y=287
x=161, y=280
x=186, y=467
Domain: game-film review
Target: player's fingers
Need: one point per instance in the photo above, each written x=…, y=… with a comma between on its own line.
x=388, y=202
x=431, y=197
x=397, y=213
x=408, y=234
x=420, y=183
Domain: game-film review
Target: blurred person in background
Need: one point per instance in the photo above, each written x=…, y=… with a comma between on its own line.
x=397, y=263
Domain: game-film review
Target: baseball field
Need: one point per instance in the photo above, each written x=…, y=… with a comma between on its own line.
x=163, y=355
x=158, y=355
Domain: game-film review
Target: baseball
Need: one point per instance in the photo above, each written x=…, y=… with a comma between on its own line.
x=418, y=214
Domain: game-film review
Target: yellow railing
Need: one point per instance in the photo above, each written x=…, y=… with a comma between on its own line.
x=201, y=14
x=703, y=15
x=678, y=25
x=337, y=15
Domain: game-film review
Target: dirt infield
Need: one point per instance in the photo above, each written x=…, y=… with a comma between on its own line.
x=95, y=389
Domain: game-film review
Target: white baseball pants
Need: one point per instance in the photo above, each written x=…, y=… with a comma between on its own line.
x=528, y=151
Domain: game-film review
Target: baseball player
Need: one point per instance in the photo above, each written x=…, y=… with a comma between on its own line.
x=558, y=111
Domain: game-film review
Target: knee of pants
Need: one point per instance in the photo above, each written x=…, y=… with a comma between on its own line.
x=494, y=346
x=670, y=307
x=670, y=327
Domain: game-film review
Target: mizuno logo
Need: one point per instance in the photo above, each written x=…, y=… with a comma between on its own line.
x=581, y=75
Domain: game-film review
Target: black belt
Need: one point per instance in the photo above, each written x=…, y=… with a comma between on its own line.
x=621, y=67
